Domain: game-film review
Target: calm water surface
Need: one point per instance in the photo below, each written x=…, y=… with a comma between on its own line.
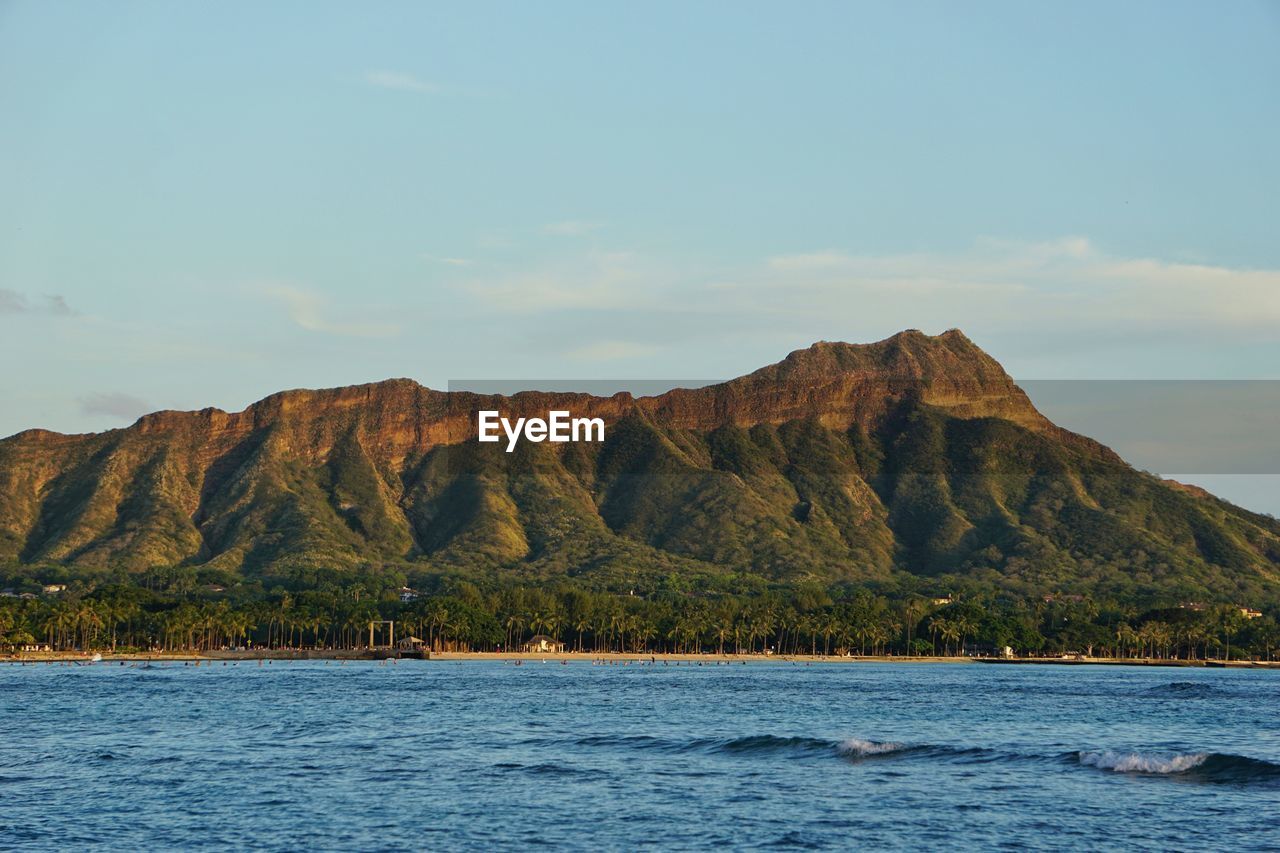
x=431, y=755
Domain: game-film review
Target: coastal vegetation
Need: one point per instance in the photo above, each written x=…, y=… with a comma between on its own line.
x=176, y=610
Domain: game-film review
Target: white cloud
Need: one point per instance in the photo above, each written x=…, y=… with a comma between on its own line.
x=1056, y=282
x=12, y=302
x=16, y=302
x=596, y=280
x=1063, y=307
x=308, y=310
x=611, y=351
x=125, y=407
x=403, y=82
x=571, y=228
x=823, y=260
x=452, y=262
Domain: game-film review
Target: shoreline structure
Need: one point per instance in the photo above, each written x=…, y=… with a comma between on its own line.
x=613, y=658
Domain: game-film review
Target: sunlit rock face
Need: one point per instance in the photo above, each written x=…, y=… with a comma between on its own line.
x=917, y=453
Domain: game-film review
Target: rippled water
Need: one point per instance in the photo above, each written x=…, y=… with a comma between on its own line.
x=429, y=755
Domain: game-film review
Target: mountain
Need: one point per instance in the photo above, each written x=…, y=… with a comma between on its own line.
x=914, y=456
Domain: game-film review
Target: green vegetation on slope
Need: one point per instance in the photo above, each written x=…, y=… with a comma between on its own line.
x=179, y=610
x=912, y=459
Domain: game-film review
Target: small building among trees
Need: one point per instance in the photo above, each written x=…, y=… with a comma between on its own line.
x=542, y=644
x=410, y=644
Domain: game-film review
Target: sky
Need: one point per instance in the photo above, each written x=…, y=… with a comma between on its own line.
x=202, y=204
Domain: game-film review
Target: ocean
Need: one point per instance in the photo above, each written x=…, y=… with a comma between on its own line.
x=427, y=755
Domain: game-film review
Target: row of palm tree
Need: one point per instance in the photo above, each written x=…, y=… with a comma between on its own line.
x=617, y=626
x=951, y=630
x=1191, y=639
x=858, y=624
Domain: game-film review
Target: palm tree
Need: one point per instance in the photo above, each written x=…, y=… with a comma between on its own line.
x=1126, y=637
x=885, y=630
x=946, y=629
x=807, y=625
x=913, y=611
x=88, y=621
x=644, y=632
x=618, y=624
x=319, y=619
x=699, y=624
x=963, y=628
x=723, y=631
x=830, y=625
x=762, y=622
x=1158, y=635
x=515, y=629
x=1189, y=635
x=788, y=619
x=582, y=624
x=457, y=626
x=1229, y=620
x=938, y=624
x=56, y=625
x=1266, y=632
x=863, y=631
x=551, y=624
x=538, y=622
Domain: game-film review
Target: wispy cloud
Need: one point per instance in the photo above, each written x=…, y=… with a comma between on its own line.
x=309, y=310
x=15, y=302
x=823, y=260
x=595, y=280
x=403, y=81
x=571, y=228
x=1063, y=307
x=126, y=407
x=452, y=262
x=1058, y=281
x=609, y=350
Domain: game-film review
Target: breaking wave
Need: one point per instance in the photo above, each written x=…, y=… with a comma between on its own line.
x=855, y=747
x=849, y=749
x=1208, y=767
x=1136, y=762
x=1214, y=767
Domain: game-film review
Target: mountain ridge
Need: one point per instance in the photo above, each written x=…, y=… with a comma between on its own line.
x=915, y=453
x=822, y=360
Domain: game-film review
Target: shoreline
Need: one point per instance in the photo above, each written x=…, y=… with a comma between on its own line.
x=597, y=658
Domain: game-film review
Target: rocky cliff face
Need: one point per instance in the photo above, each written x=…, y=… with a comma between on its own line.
x=916, y=453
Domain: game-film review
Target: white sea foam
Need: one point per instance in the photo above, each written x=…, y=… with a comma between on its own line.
x=1134, y=762
x=855, y=747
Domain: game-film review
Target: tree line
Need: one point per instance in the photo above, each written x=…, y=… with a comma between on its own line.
x=804, y=619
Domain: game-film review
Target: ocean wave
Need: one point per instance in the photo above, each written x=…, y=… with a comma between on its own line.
x=637, y=741
x=1213, y=767
x=849, y=749
x=1185, y=690
x=546, y=768
x=1136, y=762
x=744, y=745
x=1205, y=767
x=766, y=743
x=857, y=748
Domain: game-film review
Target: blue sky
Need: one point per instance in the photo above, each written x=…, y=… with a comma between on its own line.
x=207, y=203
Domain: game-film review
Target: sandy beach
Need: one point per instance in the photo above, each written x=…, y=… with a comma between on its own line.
x=610, y=659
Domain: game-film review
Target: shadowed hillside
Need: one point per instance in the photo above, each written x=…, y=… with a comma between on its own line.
x=916, y=454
